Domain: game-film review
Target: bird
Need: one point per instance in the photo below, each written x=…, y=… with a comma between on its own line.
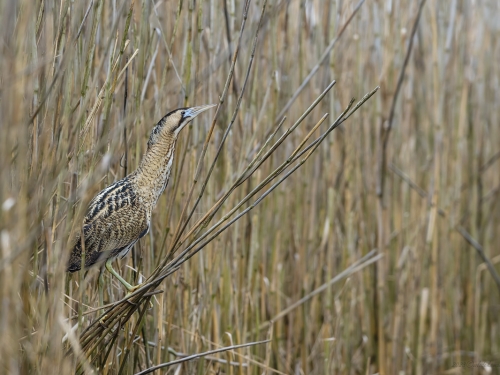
x=119, y=215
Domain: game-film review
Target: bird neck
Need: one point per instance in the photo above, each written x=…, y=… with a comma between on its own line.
x=153, y=172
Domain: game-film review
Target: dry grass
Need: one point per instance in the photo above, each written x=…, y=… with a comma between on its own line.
x=378, y=254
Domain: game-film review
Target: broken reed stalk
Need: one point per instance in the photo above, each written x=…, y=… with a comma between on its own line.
x=200, y=355
x=480, y=251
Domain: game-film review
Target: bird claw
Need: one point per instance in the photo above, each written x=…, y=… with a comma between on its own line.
x=131, y=289
x=102, y=321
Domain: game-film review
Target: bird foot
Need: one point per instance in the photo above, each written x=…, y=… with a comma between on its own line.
x=103, y=320
x=131, y=289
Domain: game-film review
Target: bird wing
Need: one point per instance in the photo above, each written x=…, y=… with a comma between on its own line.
x=115, y=220
x=114, y=198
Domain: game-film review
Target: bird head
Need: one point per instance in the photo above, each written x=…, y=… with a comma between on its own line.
x=173, y=122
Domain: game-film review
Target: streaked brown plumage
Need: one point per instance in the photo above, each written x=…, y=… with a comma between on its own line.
x=120, y=214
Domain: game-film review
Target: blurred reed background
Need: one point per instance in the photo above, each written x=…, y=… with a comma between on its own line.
x=82, y=83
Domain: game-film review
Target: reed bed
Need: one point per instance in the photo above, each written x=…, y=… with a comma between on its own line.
x=302, y=231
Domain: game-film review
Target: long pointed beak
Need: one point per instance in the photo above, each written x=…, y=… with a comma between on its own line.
x=195, y=111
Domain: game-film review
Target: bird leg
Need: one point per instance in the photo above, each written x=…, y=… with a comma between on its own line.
x=129, y=287
x=110, y=268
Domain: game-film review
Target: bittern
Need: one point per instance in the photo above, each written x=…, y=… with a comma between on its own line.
x=120, y=214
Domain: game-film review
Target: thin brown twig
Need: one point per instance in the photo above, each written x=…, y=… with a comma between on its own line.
x=199, y=355
x=402, y=72
x=386, y=130
x=358, y=265
x=458, y=228
x=480, y=251
x=321, y=60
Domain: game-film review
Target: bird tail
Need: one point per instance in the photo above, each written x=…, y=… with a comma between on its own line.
x=75, y=259
x=92, y=256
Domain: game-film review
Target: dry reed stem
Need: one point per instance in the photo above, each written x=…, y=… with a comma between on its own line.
x=199, y=355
